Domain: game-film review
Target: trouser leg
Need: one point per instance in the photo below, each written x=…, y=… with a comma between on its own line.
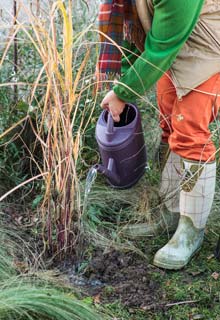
x=191, y=137
x=169, y=161
x=166, y=96
x=191, y=140
x=185, y=123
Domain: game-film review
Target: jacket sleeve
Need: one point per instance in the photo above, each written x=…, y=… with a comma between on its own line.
x=130, y=55
x=172, y=24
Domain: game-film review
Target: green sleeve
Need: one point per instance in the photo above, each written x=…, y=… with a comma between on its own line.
x=130, y=55
x=172, y=24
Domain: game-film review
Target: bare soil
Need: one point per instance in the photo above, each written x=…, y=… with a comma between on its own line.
x=118, y=276
x=125, y=278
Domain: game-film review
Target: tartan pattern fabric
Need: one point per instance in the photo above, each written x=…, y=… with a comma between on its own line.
x=117, y=20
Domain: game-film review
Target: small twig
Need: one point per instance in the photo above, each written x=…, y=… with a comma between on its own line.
x=180, y=302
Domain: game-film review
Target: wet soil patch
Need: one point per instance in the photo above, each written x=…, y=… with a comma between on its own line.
x=124, y=277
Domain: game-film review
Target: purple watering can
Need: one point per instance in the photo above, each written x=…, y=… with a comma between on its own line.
x=122, y=147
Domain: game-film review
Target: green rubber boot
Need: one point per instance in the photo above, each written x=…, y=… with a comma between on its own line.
x=170, y=183
x=185, y=242
x=162, y=155
x=196, y=197
x=167, y=215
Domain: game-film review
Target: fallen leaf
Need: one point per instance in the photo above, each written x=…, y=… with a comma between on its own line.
x=198, y=316
x=21, y=266
x=210, y=257
x=215, y=275
x=19, y=220
x=149, y=307
x=195, y=273
x=96, y=299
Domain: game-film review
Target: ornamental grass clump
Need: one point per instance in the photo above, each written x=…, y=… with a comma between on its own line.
x=60, y=108
x=24, y=301
x=59, y=111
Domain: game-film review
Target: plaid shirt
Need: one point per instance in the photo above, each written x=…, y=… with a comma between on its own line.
x=118, y=20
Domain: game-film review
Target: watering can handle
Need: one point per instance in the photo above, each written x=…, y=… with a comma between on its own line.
x=110, y=124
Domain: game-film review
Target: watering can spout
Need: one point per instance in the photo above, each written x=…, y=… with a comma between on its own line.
x=109, y=172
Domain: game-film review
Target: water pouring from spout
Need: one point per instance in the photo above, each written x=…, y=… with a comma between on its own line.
x=90, y=180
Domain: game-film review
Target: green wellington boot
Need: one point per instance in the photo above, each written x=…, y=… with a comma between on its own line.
x=170, y=183
x=196, y=197
x=167, y=216
x=169, y=191
x=162, y=155
x=185, y=242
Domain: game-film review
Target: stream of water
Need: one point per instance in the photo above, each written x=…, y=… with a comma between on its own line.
x=90, y=179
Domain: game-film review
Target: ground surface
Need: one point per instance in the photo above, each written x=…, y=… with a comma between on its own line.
x=132, y=288
x=126, y=278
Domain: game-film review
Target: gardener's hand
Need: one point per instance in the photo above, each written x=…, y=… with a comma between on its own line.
x=113, y=104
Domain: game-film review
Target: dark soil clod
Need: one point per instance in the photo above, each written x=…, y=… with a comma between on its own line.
x=125, y=277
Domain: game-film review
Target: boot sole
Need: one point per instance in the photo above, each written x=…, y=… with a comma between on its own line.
x=175, y=266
